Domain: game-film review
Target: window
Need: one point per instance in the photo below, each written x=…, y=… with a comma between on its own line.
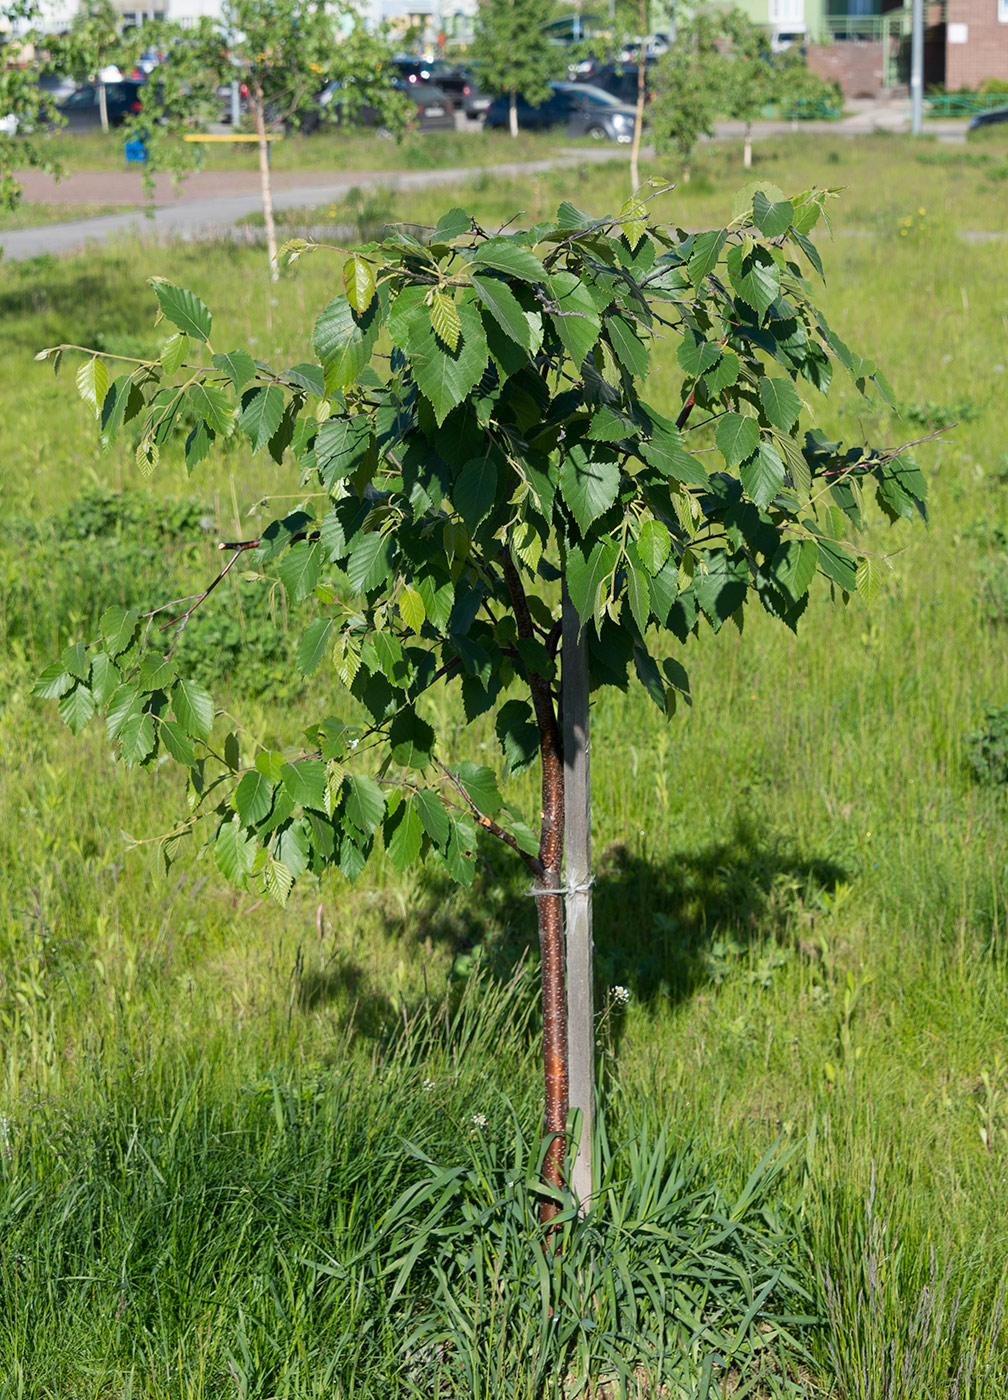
x=1003, y=11
x=792, y=12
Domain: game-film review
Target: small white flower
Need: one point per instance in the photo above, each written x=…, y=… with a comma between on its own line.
x=479, y=1120
x=621, y=995
x=427, y=1085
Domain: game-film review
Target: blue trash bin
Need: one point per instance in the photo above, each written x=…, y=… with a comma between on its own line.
x=135, y=152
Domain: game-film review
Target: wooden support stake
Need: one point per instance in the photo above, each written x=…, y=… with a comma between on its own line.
x=577, y=849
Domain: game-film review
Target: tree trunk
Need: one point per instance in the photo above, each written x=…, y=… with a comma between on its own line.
x=102, y=105
x=747, y=146
x=578, y=912
x=549, y=903
x=258, y=110
x=639, y=118
x=513, y=113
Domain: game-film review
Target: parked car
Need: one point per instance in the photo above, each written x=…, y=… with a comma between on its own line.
x=997, y=114
x=122, y=99
x=52, y=90
x=584, y=110
x=461, y=84
x=620, y=80
x=434, y=108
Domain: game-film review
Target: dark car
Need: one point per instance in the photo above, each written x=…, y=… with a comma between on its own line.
x=999, y=114
x=82, y=111
x=461, y=84
x=583, y=109
x=620, y=79
x=434, y=108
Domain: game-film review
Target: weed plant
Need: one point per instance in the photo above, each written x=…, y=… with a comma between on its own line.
x=800, y=894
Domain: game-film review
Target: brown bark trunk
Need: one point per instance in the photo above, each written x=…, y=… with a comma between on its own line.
x=549, y=903
x=258, y=109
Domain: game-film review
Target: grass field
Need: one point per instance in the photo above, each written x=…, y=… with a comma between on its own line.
x=800, y=882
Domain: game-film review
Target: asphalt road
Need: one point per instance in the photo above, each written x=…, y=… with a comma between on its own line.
x=211, y=202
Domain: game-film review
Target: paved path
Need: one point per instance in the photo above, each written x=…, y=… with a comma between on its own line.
x=211, y=202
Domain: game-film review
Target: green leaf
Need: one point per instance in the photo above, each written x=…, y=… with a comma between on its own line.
x=411, y=608
x=588, y=485
x=174, y=352
x=177, y=742
x=653, y=545
x=704, y=255
x=299, y=569
x=125, y=702
x=411, y=740
x=136, y=738
x=633, y=217
x=480, y=783
x=724, y=373
x=305, y=780
x=649, y=675
x=638, y=593
x=76, y=708
x=518, y=733
x=455, y=224
x=737, y=437
x=156, y=672
x=447, y=377
x=505, y=256
x=666, y=454
x=809, y=249
x=575, y=319
x=261, y=412
x=404, y=833
x=74, y=659
x=342, y=345
x=586, y=576
x=445, y=320
x=341, y=444
x=238, y=365
x=794, y=565
x=53, y=682
x=763, y=474
x=194, y=708
x=367, y=561
x=213, y=405
x=505, y=308
x=365, y=803
x=836, y=564
x=869, y=578
x=474, y=490
x=781, y=403
x=696, y=356
x=182, y=308
x=772, y=219
x=234, y=852
x=105, y=677
x=253, y=798
x=433, y=815
x=754, y=276
x=570, y=217
x=277, y=880
x=630, y=350
x=798, y=467
x=92, y=382
x=313, y=645
x=358, y=283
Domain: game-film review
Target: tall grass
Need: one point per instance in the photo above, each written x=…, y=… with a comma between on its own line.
x=800, y=884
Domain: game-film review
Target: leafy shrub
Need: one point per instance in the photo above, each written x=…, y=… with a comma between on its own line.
x=987, y=747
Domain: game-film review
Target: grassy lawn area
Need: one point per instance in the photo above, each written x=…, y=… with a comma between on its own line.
x=32, y=215
x=800, y=882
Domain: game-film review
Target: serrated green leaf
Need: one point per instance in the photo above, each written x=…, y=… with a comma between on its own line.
x=869, y=578
x=575, y=317
x=505, y=308
x=234, y=852
x=341, y=444
x=213, y=405
x=299, y=569
x=781, y=403
x=724, y=374
x=194, y=708
x=177, y=742
x=173, y=352
x=53, y=682
x=754, y=276
x=697, y=356
x=665, y=452
x=433, y=815
x=633, y=217
x=313, y=645
x=480, y=783
x=411, y=740
x=763, y=474
x=704, y=254
x=444, y=318
x=182, y=308
x=737, y=437
x=455, y=224
x=342, y=344
x=277, y=880
x=238, y=365
x=156, y=672
x=253, y=798
x=76, y=708
x=511, y=258
x=136, y=738
x=794, y=565
x=446, y=377
x=261, y=412
x=74, y=659
x=411, y=608
x=772, y=218
x=147, y=455
x=367, y=561
x=92, y=380
x=105, y=677
x=518, y=733
x=306, y=781
x=474, y=490
x=124, y=703
x=798, y=467
x=589, y=485
x=630, y=350
x=364, y=802
x=637, y=591
x=653, y=544
x=358, y=283
x=404, y=833
x=118, y=626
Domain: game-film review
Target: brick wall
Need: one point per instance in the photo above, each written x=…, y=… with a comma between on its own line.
x=856, y=64
x=985, y=53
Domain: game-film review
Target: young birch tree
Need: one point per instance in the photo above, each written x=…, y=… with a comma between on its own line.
x=514, y=55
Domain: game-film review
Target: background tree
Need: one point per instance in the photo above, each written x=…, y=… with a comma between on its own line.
x=498, y=460
x=688, y=89
x=94, y=43
x=749, y=74
x=22, y=104
x=515, y=57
